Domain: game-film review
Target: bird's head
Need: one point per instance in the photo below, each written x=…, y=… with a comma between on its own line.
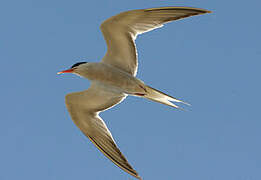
x=77, y=68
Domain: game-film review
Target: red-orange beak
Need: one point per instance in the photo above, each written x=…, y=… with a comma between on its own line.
x=66, y=71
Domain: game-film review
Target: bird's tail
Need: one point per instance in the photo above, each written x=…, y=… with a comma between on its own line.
x=158, y=96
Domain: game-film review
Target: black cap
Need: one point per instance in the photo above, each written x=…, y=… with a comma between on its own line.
x=77, y=64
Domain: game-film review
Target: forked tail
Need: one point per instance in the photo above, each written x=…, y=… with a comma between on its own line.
x=158, y=96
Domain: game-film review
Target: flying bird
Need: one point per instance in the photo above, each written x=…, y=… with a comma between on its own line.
x=113, y=78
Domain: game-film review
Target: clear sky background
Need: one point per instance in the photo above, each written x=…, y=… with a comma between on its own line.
x=211, y=61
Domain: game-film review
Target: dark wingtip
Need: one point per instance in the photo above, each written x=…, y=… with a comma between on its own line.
x=198, y=10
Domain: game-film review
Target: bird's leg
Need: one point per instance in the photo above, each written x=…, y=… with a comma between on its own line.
x=139, y=94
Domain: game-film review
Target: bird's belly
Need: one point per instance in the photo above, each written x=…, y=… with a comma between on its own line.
x=118, y=80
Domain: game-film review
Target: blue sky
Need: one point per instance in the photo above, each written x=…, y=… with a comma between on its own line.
x=211, y=61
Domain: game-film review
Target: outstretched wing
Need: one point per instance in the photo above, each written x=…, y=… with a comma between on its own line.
x=120, y=32
x=84, y=108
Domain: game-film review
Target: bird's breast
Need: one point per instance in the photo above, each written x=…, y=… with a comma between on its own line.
x=115, y=77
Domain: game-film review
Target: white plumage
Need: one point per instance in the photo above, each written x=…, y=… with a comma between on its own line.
x=113, y=78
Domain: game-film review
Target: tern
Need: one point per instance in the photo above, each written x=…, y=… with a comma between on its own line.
x=113, y=78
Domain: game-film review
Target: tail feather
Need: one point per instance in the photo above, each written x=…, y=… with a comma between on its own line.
x=158, y=96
